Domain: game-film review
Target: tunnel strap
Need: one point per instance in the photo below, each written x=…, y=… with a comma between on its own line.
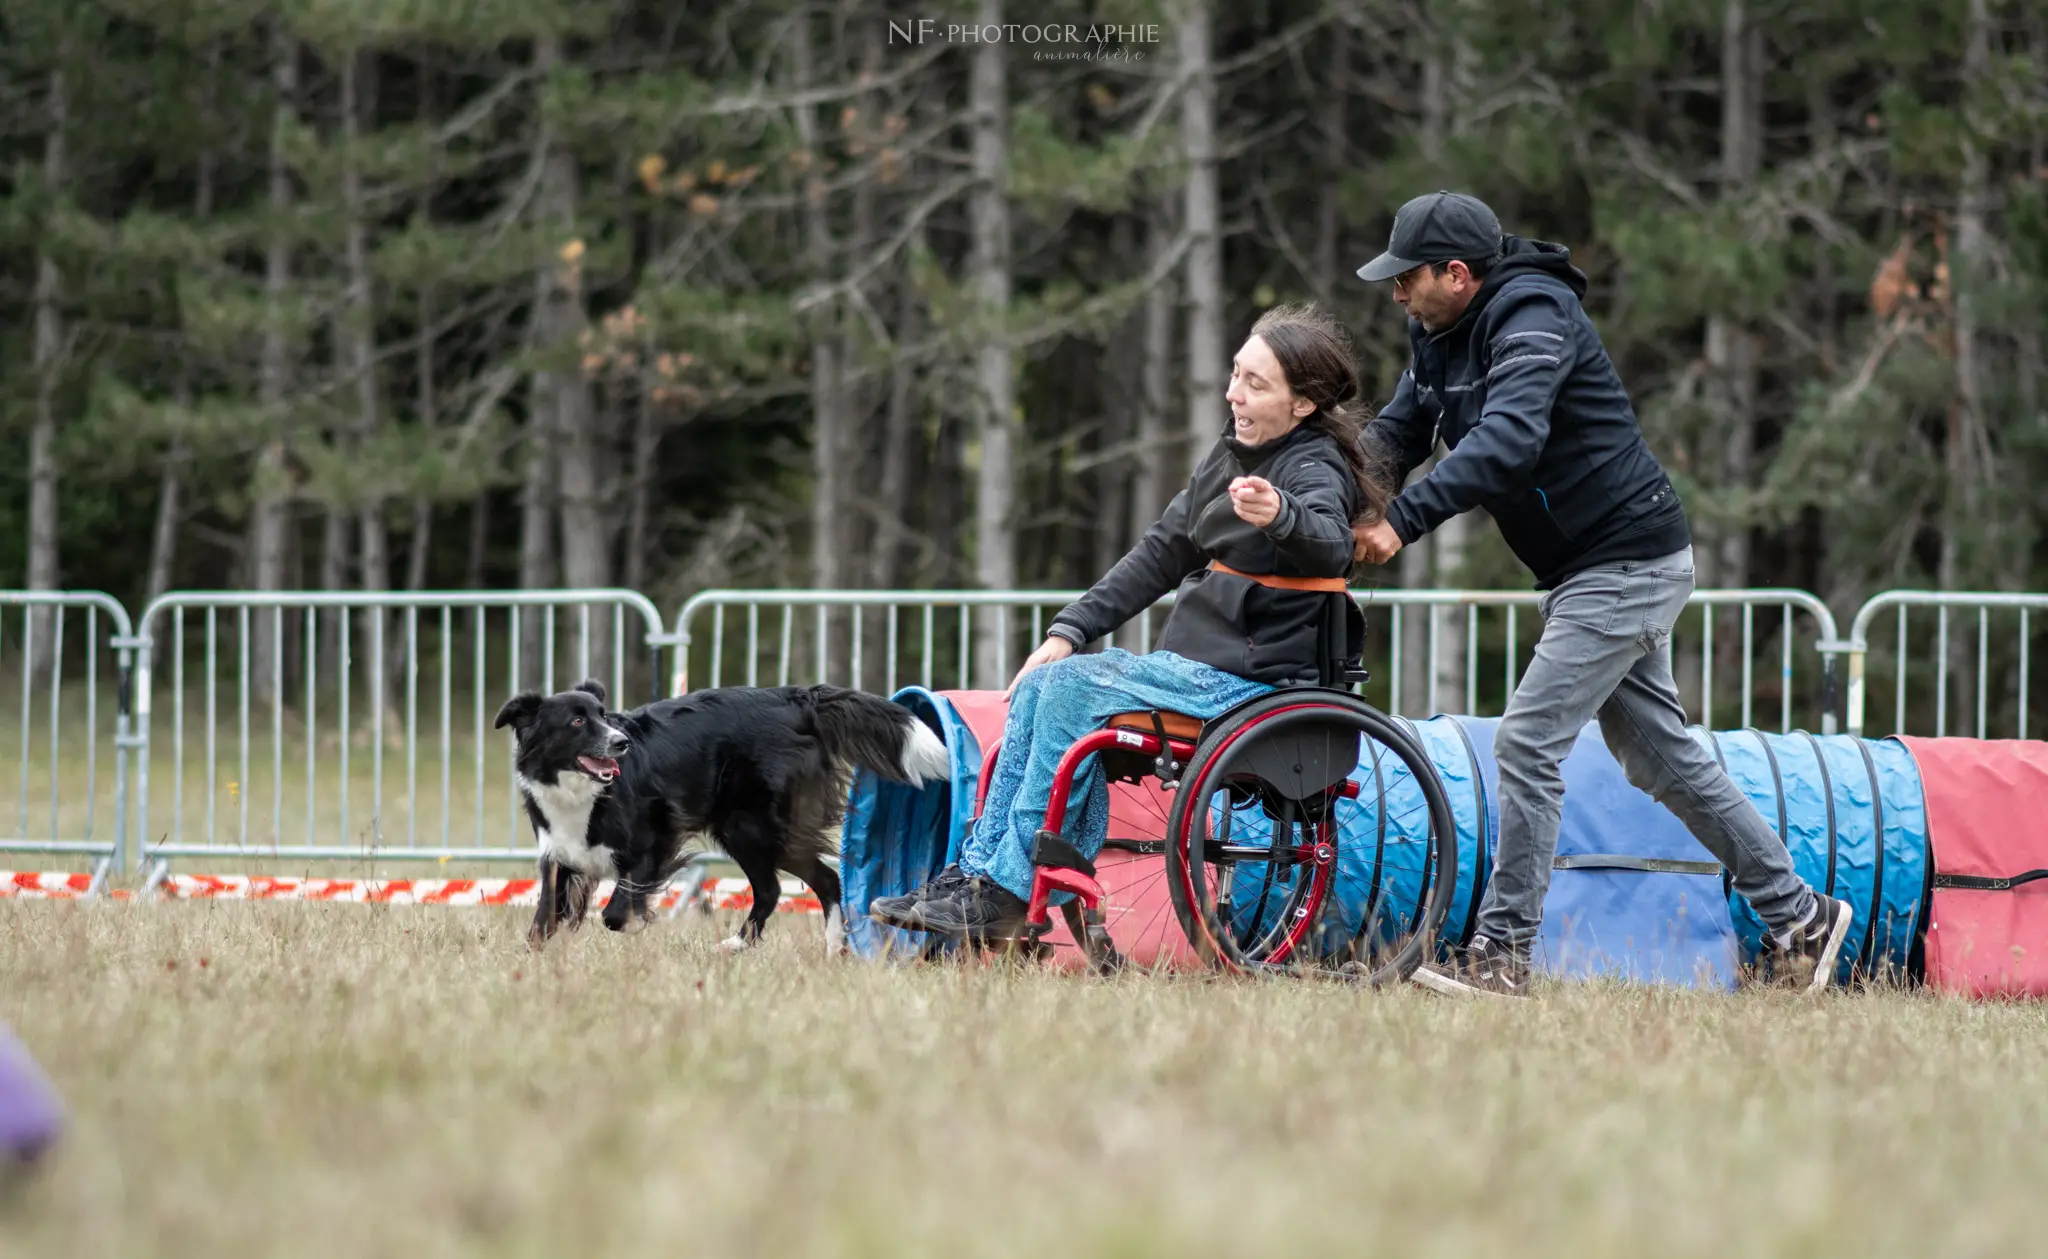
x=1624, y=861
x=1987, y=882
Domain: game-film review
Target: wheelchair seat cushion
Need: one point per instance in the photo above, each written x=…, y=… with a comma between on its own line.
x=1176, y=725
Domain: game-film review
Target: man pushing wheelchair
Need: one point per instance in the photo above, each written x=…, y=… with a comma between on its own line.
x=1508, y=371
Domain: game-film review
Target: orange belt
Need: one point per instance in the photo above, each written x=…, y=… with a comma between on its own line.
x=1326, y=584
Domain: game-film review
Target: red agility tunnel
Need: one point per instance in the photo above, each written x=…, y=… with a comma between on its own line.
x=1139, y=905
x=1987, y=823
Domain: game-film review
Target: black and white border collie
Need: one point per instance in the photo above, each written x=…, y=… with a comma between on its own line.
x=760, y=773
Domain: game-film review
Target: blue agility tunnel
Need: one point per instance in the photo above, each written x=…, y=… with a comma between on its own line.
x=1632, y=893
x=1382, y=881
x=1853, y=814
x=895, y=837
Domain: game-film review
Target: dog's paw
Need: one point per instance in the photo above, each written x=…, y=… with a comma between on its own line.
x=733, y=944
x=633, y=925
x=835, y=934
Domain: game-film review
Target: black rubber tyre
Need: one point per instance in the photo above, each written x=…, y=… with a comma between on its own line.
x=1295, y=726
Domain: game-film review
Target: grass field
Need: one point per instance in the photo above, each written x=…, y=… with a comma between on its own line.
x=367, y=1081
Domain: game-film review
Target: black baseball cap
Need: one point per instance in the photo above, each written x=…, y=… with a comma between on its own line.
x=1436, y=227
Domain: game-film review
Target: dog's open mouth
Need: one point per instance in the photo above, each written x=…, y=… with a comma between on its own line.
x=602, y=768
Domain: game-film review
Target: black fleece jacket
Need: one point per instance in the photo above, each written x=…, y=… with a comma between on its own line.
x=1229, y=622
x=1540, y=430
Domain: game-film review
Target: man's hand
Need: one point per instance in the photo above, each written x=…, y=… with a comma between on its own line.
x=1375, y=543
x=1053, y=648
x=1255, y=500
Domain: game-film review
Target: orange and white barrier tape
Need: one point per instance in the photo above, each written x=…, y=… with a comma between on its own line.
x=48, y=886
x=727, y=894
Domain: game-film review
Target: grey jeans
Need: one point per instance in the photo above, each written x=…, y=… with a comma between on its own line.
x=1606, y=650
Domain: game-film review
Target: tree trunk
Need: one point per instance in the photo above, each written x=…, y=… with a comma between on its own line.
x=948, y=506
x=335, y=560
x=1965, y=454
x=479, y=537
x=828, y=437
x=359, y=324
x=170, y=510
x=1160, y=471
x=1731, y=352
x=49, y=353
x=995, y=538
x=900, y=430
x=1116, y=468
x=1445, y=562
x=855, y=441
x=1207, y=353
x=419, y=545
x=359, y=354
x=170, y=491
x=560, y=479
x=586, y=529
x=639, y=524
x=272, y=491
x=830, y=483
x=1329, y=225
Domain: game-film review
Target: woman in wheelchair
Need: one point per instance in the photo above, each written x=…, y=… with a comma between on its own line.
x=1255, y=545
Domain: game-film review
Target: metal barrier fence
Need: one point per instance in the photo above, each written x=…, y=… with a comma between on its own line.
x=1995, y=678
x=883, y=639
x=68, y=642
x=943, y=653
x=300, y=716
x=355, y=726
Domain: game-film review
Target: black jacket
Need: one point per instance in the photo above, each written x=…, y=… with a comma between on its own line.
x=1222, y=620
x=1540, y=430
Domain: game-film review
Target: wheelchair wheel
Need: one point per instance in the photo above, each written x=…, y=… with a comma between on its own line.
x=1310, y=829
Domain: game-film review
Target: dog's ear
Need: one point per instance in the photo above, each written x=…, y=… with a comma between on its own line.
x=518, y=711
x=591, y=686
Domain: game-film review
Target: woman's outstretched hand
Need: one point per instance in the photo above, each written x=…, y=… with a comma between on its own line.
x=1255, y=500
x=1053, y=648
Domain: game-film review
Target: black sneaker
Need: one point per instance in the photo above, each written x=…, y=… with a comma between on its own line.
x=896, y=911
x=1805, y=960
x=1487, y=968
x=982, y=910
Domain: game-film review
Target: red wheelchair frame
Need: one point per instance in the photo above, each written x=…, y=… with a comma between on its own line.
x=1131, y=754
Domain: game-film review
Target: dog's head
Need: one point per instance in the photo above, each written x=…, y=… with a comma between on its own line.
x=565, y=739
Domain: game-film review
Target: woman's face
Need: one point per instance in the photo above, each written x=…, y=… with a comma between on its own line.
x=1261, y=402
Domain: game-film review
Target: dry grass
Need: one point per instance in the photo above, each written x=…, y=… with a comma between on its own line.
x=365, y=1081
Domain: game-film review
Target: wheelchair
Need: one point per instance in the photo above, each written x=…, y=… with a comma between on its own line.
x=1307, y=831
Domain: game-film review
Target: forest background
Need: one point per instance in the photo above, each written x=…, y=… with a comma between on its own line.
x=420, y=294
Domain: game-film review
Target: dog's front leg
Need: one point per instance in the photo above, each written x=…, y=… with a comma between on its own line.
x=547, y=906
x=630, y=908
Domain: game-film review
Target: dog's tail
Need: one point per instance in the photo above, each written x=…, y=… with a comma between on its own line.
x=885, y=738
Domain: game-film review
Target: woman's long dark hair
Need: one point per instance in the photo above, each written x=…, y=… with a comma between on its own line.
x=1315, y=353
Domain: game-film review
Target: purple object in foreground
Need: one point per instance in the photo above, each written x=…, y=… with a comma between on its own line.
x=29, y=1117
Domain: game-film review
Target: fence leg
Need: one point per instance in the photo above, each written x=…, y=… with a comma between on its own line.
x=1855, y=715
x=1828, y=695
x=692, y=886
x=140, y=728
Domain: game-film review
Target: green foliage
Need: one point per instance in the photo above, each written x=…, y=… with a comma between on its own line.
x=698, y=251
